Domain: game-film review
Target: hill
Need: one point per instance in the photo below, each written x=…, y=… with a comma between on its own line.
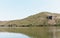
x=37, y=19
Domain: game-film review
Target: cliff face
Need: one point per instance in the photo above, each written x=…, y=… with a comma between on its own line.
x=54, y=19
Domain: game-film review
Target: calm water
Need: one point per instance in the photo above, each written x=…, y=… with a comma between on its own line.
x=12, y=35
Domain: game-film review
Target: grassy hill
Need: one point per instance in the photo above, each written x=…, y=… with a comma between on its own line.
x=37, y=19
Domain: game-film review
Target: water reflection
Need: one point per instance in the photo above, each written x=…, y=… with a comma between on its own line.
x=12, y=35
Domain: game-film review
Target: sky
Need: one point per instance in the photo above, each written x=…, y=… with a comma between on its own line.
x=12, y=35
x=19, y=9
